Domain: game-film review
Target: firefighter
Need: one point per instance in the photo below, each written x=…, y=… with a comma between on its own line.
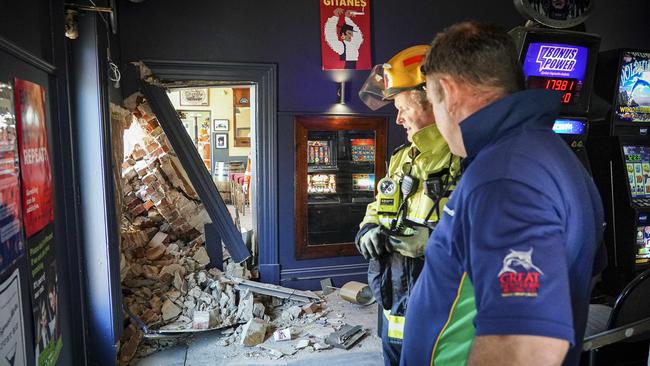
x=420, y=177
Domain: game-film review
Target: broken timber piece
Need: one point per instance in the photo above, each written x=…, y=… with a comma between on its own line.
x=346, y=337
x=275, y=290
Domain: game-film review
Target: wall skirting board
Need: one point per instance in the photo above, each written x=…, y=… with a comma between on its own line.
x=309, y=277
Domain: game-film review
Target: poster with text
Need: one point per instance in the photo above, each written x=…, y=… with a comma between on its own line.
x=11, y=240
x=12, y=324
x=34, y=157
x=47, y=329
x=345, y=34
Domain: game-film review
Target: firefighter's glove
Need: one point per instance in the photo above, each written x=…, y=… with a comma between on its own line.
x=372, y=244
x=412, y=243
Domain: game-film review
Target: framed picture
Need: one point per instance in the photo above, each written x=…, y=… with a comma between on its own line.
x=221, y=140
x=220, y=125
x=196, y=96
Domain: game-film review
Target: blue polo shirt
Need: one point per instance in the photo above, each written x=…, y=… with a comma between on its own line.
x=514, y=250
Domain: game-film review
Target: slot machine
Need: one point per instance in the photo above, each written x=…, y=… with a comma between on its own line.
x=622, y=161
x=564, y=61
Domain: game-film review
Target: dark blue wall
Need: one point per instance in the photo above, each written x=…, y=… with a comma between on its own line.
x=36, y=29
x=288, y=33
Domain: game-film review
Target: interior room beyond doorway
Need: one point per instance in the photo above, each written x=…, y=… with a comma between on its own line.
x=219, y=120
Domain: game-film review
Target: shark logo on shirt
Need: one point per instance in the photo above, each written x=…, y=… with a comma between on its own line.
x=517, y=258
x=518, y=275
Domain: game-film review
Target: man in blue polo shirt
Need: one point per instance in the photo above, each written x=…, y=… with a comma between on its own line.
x=507, y=270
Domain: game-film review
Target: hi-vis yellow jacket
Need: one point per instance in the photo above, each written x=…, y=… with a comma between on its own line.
x=427, y=154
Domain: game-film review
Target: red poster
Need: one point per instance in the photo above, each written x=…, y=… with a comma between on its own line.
x=345, y=34
x=34, y=158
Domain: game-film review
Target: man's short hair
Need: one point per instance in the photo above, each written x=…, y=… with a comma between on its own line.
x=345, y=28
x=480, y=54
x=419, y=97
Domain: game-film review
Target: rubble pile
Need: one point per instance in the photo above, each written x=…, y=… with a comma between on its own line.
x=162, y=253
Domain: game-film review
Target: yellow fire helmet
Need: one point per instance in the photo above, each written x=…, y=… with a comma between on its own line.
x=400, y=73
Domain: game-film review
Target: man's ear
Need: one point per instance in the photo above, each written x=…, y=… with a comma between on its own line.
x=450, y=90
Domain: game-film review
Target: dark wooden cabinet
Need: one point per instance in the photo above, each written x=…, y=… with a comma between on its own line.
x=339, y=161
x=241, y=116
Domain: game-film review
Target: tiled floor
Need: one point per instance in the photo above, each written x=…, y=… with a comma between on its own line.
x=203, y=350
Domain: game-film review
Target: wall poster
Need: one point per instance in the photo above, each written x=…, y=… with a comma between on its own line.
x=11, y=241
x=36, y=184
x=34, y=158
x=12, y=338
x=345, y=34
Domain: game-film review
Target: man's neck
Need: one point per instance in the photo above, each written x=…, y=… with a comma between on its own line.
x=476, y=98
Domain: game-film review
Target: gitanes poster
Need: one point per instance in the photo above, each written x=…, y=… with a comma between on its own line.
x=11, y=241
x=36, y=184
x=345, y=34
x=34, y=158
x=12, y=337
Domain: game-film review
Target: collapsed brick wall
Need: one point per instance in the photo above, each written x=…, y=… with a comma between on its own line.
x=163, y=255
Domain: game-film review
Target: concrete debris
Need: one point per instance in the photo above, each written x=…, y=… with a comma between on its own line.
x=254, y=332
x=303, y=343
x=170, y=310
x=318, y=346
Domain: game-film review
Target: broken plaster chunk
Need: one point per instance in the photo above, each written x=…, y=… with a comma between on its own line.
x=295, y=311
x=318, y=346
x=195, y=292
x=170, y=310
x=258, y=310
x=303, y=343
x=201, y=277
x=253, y=332
x=201, y=256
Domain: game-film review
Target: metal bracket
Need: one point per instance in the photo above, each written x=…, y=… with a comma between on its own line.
x=346, y=337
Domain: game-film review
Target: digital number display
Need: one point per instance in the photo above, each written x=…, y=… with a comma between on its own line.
x=555, y=66
x=568, y=86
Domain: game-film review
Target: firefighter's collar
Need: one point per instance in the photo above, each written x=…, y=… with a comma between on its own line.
x=427, y=138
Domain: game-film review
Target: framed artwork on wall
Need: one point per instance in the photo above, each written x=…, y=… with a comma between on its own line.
x=220, y=125
x=195, y=96
x=221, y=140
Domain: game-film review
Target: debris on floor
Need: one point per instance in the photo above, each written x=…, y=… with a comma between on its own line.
x=169, y=294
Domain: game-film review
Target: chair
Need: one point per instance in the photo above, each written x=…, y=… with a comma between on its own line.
x=625, y=339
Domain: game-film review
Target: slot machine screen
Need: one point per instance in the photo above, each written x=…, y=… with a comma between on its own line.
x=363, y=182
x=319, y=152
x=557, y=66
x=321, y=183
x=642, y=244
x=637, y=165
x=633, y=94
x=363, y=150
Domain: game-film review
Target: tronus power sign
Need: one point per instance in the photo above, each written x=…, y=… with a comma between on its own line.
x=556, y=58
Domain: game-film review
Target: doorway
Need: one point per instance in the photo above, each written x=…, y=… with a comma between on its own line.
x=263, y=199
